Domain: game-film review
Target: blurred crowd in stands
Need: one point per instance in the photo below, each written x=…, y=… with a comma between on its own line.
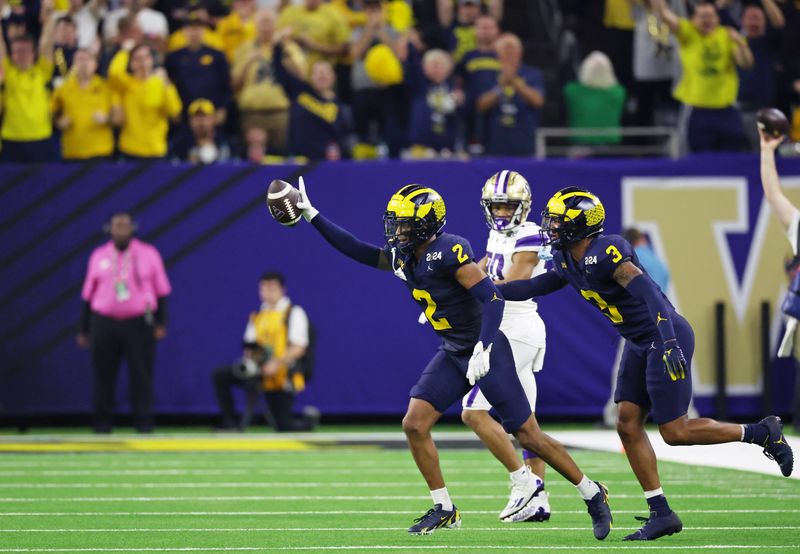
x=266, y=80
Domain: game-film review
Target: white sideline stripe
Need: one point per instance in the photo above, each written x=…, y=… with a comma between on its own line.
x=355, y=512
x=504, y=528
x=412, y=547
x=344, y=497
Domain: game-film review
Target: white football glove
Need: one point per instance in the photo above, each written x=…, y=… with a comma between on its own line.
x=479, y=363
x=309, y=211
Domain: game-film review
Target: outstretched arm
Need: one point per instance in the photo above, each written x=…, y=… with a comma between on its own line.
x=667, y=15
x=341, y=240
x=781, y=205
x=529, y=288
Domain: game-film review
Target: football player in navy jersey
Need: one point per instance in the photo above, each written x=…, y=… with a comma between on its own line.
x=654, y=374
x=465, y=310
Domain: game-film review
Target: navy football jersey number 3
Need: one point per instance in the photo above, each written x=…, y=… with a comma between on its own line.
x=609, y=310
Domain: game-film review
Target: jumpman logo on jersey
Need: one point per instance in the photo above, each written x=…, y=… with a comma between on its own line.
x=659, y=319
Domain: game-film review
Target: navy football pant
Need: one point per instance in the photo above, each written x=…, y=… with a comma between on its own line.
x=643, y=379
x=444, y=381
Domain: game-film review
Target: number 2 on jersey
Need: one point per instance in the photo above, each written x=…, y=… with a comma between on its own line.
x=438, y=324
x=611, y=312
x=459, y=250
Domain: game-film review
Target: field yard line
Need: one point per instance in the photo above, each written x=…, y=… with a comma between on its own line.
x=346, y=484
x=503, y=528
x=354, y=512
x=490, y=469
x=412, y=547
x=69, y=499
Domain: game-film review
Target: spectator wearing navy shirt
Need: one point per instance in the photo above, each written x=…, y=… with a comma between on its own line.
x=757, y=84
x=199, y=71
x=512, y=106
x=434, y=104
x=477, y=73
x=317, y=127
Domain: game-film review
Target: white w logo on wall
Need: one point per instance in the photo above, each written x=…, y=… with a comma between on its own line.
x=689, y=221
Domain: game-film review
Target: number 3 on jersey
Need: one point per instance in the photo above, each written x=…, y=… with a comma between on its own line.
x=438, y=324
x=611, y=312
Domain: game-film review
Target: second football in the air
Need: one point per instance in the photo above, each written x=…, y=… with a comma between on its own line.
x=772, y=122
x=282, y=199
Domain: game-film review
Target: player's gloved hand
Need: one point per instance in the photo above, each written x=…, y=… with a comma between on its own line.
x=479, y=363
x=309, y=212
x=674, y=360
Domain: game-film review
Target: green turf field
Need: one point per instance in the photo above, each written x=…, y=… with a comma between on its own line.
x=360, y=500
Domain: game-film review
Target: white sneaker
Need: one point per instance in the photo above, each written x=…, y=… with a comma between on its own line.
x=521, y=494
x=538, y=509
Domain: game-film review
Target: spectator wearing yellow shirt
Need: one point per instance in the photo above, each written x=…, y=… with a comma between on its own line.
x=709, y=85
x=261, y=99
x=27, y=130
x=84, y=111
x=237, y=27
x=319, y=28
x=149, y=102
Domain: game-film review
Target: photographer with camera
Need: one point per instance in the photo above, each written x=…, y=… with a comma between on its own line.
x=275, y=360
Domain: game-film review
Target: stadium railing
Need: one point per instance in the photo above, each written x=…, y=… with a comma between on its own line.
x=669, y=145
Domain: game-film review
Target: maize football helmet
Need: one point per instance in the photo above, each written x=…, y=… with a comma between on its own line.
x=415, y=214
x=506, y=187
x=571, y=214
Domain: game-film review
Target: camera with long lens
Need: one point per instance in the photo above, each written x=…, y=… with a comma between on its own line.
x=249, y=365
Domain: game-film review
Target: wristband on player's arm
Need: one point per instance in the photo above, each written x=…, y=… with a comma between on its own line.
x=525, y=289
x=643, y=288
x=346, y=243
x=486, y=292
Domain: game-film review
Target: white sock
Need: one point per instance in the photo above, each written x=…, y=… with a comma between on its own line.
x=742, y=439
x=441, y=496
x=654, y=492
x=587, y=488
x=520, y=476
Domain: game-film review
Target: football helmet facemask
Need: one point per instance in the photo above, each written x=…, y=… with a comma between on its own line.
x=571, y=214
x=506, y=187
x=415, y=214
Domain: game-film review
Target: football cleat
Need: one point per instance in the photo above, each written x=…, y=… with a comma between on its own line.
x=521, y=495
x=776, y=447
x=600, y=512
x=656, y=527
x=538, y=509
x=436, y=518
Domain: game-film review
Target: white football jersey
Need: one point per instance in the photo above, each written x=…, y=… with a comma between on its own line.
x=521, y=320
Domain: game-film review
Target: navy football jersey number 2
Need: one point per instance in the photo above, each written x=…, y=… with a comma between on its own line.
x=454, y=314
x=439, y=324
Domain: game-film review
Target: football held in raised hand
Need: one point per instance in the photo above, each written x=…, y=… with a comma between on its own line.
x=282, y=201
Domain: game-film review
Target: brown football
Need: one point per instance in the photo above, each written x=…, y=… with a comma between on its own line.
x=772, y=122
x=282, y=201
